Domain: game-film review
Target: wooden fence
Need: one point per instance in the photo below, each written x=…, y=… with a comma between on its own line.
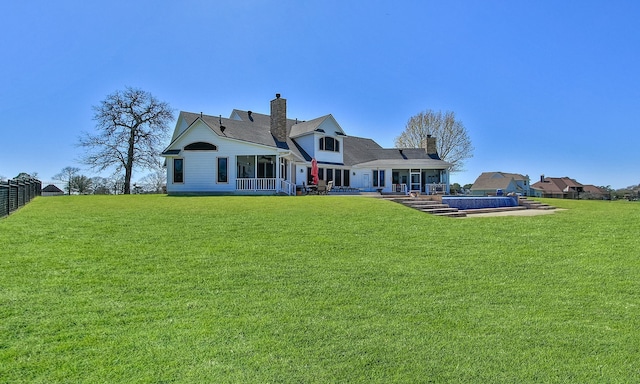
x=16, y=193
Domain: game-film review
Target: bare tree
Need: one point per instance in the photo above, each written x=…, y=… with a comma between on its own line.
x=132, y=126
x=101, y=185
x=66, y=176
x=154, y=181
x=453, y=143
x=82, y=184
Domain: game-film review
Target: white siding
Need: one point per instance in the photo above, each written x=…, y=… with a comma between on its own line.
x=358, y=180
x=301, y=173
x=329, y=126
x=307, y=143
x=200, y=167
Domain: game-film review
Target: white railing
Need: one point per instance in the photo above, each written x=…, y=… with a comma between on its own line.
x=287, y=187
x=254, y=184
x=399, y=188
x=435, y=189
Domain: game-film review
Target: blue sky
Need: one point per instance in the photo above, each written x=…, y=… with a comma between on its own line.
x=543, y=87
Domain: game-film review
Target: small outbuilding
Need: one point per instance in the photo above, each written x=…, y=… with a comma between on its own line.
x=52, y=190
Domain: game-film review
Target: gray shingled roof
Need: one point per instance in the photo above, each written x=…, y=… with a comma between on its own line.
x=366, y=152
x=255, y=130
x=495, y=180
x=303, y=127
x=51, y=188
x=356, y=150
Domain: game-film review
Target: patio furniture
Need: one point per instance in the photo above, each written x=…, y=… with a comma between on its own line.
x=322, y=187
x=329, y=187
x=310, y=189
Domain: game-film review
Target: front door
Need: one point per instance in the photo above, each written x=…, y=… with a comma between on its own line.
x=367, y=182
x=415, y=181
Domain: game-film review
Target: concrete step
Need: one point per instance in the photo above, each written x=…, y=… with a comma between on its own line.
x=419, y=204
x=493, y=210
x=532, y=204
x=451, y=214
x=438, y=210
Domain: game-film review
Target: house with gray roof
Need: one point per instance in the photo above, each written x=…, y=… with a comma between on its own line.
x=253, y=153
x=489, y=183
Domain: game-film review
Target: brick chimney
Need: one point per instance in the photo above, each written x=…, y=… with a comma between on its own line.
x=431, y=145
x=279, y=118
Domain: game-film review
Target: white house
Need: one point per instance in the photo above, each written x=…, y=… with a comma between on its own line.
x=252, y=153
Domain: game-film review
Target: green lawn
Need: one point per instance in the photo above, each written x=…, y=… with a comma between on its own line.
x=315, y=289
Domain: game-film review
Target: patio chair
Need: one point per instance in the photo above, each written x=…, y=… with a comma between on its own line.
x=322, y=187
x=329, y=187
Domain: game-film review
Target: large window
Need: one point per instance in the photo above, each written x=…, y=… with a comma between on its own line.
x=201, y=146
x=261, y=167
x=340, y=177
x=178, y=170
x=266, y=167
x=223, y=170
x=246, y=167
x=329, y=144
x=378, y=178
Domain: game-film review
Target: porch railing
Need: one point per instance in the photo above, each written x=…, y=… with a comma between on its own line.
x=399, y=188
x=255, y=184
x=435, y=189
x=287, y=187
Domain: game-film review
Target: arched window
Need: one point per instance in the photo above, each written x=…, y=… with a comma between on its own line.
x=329, y=144
x=201, y=146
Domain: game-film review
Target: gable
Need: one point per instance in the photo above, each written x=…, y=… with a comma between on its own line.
x=330, y=127
x=182, y=124
x=198, y=132
x=325, y=125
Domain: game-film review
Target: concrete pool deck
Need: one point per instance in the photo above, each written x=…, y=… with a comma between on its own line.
x=521, y=212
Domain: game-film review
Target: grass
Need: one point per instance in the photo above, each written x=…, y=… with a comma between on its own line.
x=156, y=289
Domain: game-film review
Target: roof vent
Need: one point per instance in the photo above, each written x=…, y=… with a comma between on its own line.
x=249, y=114
x=277, y=95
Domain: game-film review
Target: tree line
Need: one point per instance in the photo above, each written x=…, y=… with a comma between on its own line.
x=77, y=183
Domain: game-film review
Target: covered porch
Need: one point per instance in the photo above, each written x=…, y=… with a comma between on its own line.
x=424, y=181
x=264, y=174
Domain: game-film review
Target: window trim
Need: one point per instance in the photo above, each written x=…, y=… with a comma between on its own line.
x=173, y=180
x=226, y=173
x=200, y=146
x=322, y=144
x=378, y=178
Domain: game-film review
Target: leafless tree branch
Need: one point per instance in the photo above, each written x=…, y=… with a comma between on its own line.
x=131, y=126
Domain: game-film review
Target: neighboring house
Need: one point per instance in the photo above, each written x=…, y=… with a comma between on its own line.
x=488, y=183
x=51, y=190
x=557, y=187
x=595, y=193
x=252, y=153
